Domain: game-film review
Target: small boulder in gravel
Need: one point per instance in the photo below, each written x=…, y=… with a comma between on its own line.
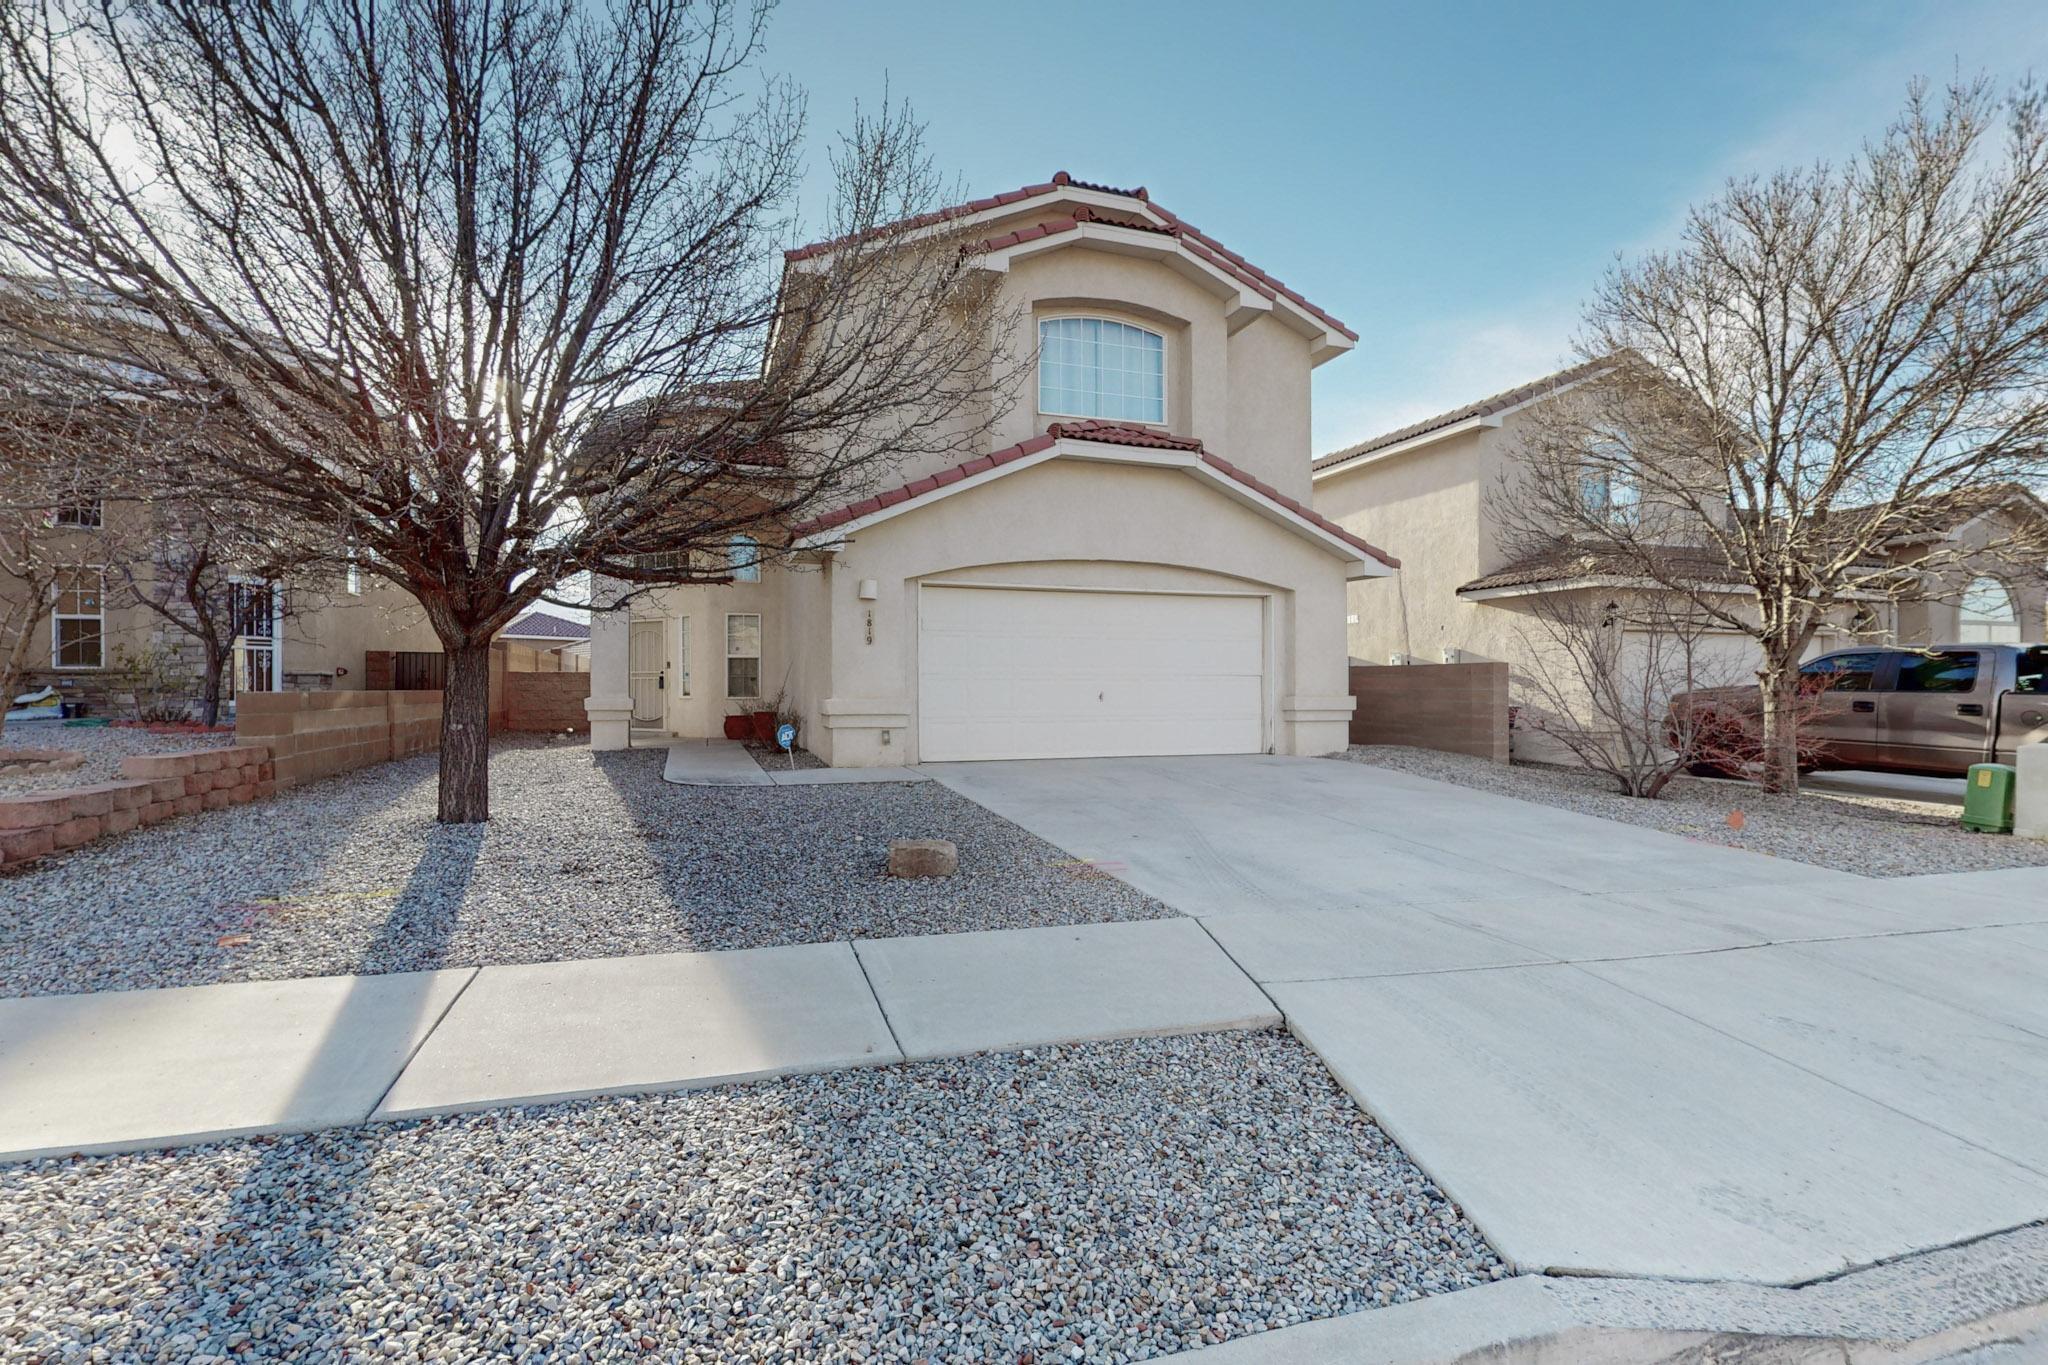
x=923, y=858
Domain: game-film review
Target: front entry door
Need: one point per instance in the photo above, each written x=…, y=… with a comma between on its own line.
x=644, y=672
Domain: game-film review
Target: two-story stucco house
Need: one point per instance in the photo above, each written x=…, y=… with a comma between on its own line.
x=1470, y=586
x=1130, y=566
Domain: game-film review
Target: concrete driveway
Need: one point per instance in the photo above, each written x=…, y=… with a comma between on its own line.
x=1622, y=1051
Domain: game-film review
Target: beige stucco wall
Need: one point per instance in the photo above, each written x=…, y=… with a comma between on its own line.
x=1424, y=508
x=1070, y=523
x=1244, y=393
x=328, y=629
x=1937, y=617
x=700, y=710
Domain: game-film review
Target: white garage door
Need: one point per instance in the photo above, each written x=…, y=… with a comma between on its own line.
x=1017, y=673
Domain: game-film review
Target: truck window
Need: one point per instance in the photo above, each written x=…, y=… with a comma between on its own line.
x=1841, y=672
x=1941, y=670
x=2031, y=670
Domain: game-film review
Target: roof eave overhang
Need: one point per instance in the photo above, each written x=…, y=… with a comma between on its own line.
x=1357, y=566
x=1585, y=582
x=1477, y=422
x=1415, y=442
x=1246, y=302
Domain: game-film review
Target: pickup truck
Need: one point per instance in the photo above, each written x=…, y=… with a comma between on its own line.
x=1932, y=711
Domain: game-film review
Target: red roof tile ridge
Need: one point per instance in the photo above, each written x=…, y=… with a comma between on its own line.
x=1100, y=432
x=1171, y=223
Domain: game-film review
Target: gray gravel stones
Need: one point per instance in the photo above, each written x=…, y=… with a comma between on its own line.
x=104, y=746
x=1871, y=836
x=776, y=761
x=586, y=855
x=1104, y=1203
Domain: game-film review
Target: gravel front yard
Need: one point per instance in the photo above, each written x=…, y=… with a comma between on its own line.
x=104, y=746
x=586, y=855
x=1104, y=1203
x=1872, y=836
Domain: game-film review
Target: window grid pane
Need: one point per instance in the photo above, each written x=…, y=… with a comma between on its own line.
x=1092, y=367
x=742, y=677
x=742, y=635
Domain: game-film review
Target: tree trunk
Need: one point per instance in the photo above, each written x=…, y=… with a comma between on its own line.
x=1780, y=756
x=209, y=687
x=465, y=736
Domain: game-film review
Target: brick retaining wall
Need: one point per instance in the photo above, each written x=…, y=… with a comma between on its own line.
x=319, y=734
x=1456, y=708
x=152, y=787
x=543, y=701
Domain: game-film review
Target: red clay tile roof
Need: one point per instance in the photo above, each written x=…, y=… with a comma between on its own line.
x=1198, y=242
x=1104, y=433
x=1485, y=407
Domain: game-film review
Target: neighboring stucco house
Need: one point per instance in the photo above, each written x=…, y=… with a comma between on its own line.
x=1127, y=564
x=1428, y=492
x=306, y=635
x=556, y=641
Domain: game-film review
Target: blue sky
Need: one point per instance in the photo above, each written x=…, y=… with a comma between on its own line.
x=1449, y=179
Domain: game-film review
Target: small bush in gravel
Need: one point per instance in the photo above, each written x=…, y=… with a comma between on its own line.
x=586, y=855
x=1107, y=1203
x=1867, y=835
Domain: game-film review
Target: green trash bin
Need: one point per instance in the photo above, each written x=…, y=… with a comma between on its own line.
x=1987, y=803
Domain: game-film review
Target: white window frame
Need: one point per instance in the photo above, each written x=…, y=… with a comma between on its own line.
x=683, y=656
x=730, y=617
x=1165, y=369
x=748, y=571
x=100, y=616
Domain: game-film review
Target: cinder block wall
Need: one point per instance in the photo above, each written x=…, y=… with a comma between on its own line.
x=312, y=735
x=152, y=787
x=1457, y=708
x=545, y=701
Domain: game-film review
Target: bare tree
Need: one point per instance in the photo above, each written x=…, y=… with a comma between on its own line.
x=490, y=288
x=1604, y=669
x=1830, y=369
x=192, y=567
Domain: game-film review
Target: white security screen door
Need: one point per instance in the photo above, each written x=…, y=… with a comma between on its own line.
x=644, y=661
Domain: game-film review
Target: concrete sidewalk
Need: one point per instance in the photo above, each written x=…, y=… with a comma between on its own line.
x=123, y=1070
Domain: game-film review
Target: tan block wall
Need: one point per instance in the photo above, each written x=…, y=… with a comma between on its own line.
x=550, y=702
x=151, y=788
x=1456, y=708
x=318, y=734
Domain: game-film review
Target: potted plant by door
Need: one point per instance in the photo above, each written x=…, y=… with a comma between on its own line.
x=738, y=725
x=764, y=726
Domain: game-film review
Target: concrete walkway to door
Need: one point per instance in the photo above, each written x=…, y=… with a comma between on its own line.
x=1623, y=1052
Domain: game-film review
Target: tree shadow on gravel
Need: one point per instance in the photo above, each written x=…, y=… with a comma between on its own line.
x=205, y=897
x=747, y=867
x=299, y=1207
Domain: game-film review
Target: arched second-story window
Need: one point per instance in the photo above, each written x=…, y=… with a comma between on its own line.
x=745, y=559
x=1989, y=617
x=1093, y=367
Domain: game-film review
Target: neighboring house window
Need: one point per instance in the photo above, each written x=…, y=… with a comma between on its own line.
x=354, y=579
x=743, y=655
x=78, y=620
x=1988, y=614
x=1092, y=367
x=80, y=516
x=745, y=559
